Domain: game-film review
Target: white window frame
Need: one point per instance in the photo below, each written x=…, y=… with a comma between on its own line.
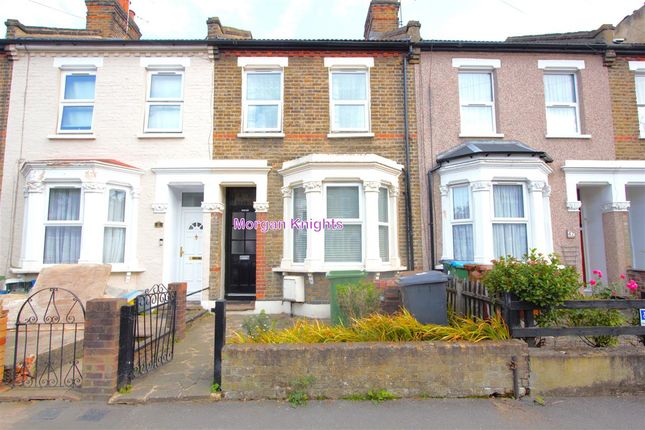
x=115, y=224
x=526, y=220
x=75, y=102
x=347, y=221
x=62, y=223
x=293, y=214
x=640, y=105
x=576, y=104
x=491, y=104
x=367, y=102
x=150, y=101
x=250, y=69
x=461, y=221
x=385, y=224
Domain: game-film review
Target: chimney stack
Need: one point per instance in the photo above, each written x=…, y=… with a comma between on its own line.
x=111, y=19
x=382, y=17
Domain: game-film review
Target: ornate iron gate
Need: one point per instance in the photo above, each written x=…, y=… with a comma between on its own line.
x=49, y=331
x=147, y=337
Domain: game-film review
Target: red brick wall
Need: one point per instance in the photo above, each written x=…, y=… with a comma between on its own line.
x=306, y=125
x=623, y=103
x=5, y=86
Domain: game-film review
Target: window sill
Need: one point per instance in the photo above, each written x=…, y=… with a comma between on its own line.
x=37, y=269
x=386, y=267
x=348, y=135
x=160, y=135
x=471, y=135
x=569, y=136
x=267, y=135
x=71, y=136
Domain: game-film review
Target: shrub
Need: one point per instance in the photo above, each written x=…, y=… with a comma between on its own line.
x=536, y=278
x=595, y=318
x=357, y=300
x=256, y=325
x=400, y=327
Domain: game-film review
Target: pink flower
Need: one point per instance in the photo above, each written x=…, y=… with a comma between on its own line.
x=592, y=282
x=622, y=276
x=597, y=273
x=632, y=285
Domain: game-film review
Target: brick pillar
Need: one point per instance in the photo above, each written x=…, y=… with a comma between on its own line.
x=260, y=259
x=3, y=339
x=618, y=249
x=180, y=315
x=101, y=348
x=215, y=272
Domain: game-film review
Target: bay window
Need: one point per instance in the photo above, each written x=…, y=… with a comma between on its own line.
x=509, y=221
x=299, y=235
x=462, y=226
x=344, y=204
x=383, y=223
x=164, y=101
x=114, y=233
x=63, y=226
x=76, y=112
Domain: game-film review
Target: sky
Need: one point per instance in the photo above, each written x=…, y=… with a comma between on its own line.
x=338, y=19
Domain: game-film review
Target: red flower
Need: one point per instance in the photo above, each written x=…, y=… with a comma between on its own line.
x=592, y=282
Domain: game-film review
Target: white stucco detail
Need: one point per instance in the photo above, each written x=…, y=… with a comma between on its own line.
x=349, y=62
x=561, y=64
x=476, y=63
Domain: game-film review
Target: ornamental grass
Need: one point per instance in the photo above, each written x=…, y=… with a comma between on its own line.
x=401, y=327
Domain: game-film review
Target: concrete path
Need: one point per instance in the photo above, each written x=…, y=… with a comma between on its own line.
x=567, y=413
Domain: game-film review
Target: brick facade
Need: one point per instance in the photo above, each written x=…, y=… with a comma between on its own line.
x=623, y=104
x=5, y=88
x=306, y=124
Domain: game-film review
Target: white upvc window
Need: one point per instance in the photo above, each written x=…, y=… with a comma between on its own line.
x=299, y=235
x=63, y=225
x=114, y=234
x=640, y=102
x=262, y=99
x=477, y=102
x=384, y=223
x=462, y=223
x=344, y=203
x=510, y=220
x=349, y=90
x=164, y=101
x=562, y=103
x=76, y=111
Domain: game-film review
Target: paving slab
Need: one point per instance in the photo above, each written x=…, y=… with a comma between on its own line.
x=22, y=394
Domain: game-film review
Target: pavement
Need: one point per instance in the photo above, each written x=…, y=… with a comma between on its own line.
x=587, y=413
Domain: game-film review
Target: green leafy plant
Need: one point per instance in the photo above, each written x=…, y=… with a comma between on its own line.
x=597, y=318
x=375, y=396
x=357, y=300
x=125, y=389
x=256, y=325
x=298, y=393
x=536, y=278
x=215, y=388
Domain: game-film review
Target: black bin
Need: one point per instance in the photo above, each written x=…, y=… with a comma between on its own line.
x=424, y=296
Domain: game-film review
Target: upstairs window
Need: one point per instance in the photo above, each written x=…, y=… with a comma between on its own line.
x=640, y=101
x=77, y=102
x=562, y=105
x=477, y=102
x=349, y=100
x=164, y=101
x=63, y=226
x=262, y=105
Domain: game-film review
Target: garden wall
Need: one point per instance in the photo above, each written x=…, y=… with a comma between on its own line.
x=407, y=369
x=595, y=372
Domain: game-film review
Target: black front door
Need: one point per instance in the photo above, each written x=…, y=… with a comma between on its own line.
x=240, y=245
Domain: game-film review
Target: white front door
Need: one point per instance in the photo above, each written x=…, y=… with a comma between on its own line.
x=190, y=250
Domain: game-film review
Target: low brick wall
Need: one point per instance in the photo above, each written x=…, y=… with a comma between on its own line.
x=596, y=372
x=410, y=369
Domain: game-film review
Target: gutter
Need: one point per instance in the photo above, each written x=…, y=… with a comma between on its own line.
x=408, y=197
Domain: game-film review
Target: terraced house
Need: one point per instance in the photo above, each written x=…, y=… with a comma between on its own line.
x=147, y=154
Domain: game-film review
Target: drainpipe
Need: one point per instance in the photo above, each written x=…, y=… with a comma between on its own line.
x=408, y=198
